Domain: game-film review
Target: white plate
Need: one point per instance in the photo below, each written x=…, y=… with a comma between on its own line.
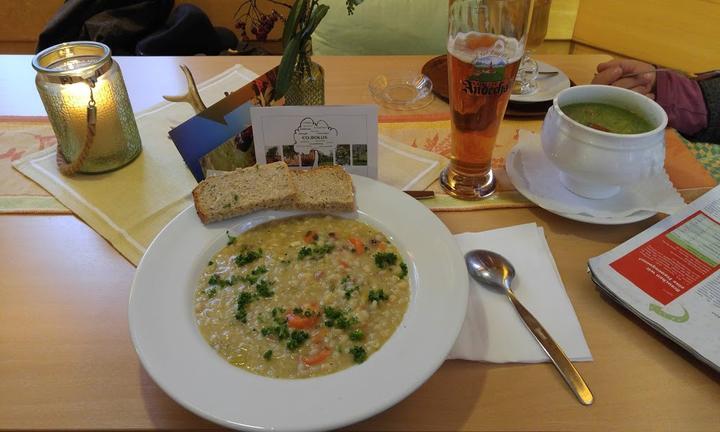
x=514, y=169
x=174, y=353
x=548, y=87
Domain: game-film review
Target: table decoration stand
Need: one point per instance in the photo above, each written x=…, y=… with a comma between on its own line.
x=229, y=154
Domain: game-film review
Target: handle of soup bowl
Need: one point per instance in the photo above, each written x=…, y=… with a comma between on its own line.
x=658, y=167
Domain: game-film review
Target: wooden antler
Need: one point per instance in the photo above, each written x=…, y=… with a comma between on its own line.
x=192, y=96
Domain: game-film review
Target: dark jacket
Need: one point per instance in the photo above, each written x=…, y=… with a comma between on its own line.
x=142, y=27
x=711, y=94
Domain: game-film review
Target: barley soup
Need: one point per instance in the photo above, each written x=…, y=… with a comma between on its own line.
x=302, y=297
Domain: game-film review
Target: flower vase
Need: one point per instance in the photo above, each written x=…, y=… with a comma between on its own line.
x=307, y=84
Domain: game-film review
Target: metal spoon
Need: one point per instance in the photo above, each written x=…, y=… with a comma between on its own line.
x=495, y=271
x=548, y=74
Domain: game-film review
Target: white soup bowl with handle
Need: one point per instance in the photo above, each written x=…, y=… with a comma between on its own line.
x=597, y=164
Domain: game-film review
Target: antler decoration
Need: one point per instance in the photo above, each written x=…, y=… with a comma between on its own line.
x=192, y=96
x=233, y=153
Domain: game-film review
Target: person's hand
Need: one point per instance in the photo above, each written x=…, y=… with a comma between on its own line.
x=612, y=72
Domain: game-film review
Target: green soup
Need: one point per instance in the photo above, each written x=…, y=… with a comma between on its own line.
x=607, y=118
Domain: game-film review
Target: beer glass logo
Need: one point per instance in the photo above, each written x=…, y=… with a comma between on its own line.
x=487, y=77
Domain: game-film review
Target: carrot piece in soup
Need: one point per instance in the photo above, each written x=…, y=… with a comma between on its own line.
x=301, y=322
x=598, y=127
x=358, y=245
x=310, y=237
x=318, y=358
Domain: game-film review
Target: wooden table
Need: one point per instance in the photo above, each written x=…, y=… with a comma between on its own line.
x=66, y=361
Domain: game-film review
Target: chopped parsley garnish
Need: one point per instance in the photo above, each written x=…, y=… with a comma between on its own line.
x=281, y=331
x=357, y=335
x=231, y=239
x=259, y=271
x=210, y=263
x=385, y=259
x=338, y=318
x=215, y=279
x=377, y=296
x=300, y=312
x=244, y=299
x=211, y=291
x=278, y=315
x=348, y=292
x=247, y=257
x=316, y=252
x=403, y=270
x=349, y=287
x=235, y=197
x=267, y=355
x=254, y=275
x=297, y=338
x=359, y=354
x=263, y=289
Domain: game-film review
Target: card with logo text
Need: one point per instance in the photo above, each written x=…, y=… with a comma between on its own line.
x=312, y=136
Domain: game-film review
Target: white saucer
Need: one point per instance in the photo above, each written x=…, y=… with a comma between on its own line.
x=548, y=87
x=514, y=169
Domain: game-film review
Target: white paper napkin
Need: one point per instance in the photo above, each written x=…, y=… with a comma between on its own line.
x=493, y=330
x=655, y=194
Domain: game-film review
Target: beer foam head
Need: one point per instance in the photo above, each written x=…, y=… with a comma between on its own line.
x=484, y=48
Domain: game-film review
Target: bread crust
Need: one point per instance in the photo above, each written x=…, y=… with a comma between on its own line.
x=243, y=191
x=273, y=186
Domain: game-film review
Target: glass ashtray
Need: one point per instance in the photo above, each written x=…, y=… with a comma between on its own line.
x=403, y=92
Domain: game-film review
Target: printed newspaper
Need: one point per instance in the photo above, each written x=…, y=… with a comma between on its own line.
x=669, y=275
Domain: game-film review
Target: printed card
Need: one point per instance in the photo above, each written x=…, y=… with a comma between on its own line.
x=312, y=136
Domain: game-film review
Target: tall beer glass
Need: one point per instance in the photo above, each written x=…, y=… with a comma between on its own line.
x=486, y=41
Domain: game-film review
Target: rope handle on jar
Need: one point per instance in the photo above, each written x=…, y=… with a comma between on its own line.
x=66, y=167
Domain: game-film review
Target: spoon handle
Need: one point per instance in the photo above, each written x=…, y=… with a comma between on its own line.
x=562, y=363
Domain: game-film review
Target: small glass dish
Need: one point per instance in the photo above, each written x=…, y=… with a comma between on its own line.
x=403, y=92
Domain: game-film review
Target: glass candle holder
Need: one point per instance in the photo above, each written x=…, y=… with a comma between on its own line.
x=87, y=104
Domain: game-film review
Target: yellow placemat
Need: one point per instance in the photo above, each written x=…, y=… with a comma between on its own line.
x=129, y=206
x=432, y=133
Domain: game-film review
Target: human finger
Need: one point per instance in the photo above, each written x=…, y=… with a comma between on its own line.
x=607, y=76
x=609, y=65
x=630, y=82
x=642, y=89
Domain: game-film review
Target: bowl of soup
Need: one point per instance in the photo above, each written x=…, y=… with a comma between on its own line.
x=602, y=138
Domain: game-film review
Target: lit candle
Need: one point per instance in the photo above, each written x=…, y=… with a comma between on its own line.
x=68, y=74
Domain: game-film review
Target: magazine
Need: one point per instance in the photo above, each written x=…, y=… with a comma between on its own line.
x=669, y=276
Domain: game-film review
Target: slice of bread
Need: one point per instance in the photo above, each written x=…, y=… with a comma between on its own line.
x=243, y=191
x=324, y=189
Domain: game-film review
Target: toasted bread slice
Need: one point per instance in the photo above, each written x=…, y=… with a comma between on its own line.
x=243, y=191
x=324, y=189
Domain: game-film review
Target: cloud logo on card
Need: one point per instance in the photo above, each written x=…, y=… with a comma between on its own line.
x=312, y=135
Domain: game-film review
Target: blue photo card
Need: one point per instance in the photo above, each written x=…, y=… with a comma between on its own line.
x=220, y=138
